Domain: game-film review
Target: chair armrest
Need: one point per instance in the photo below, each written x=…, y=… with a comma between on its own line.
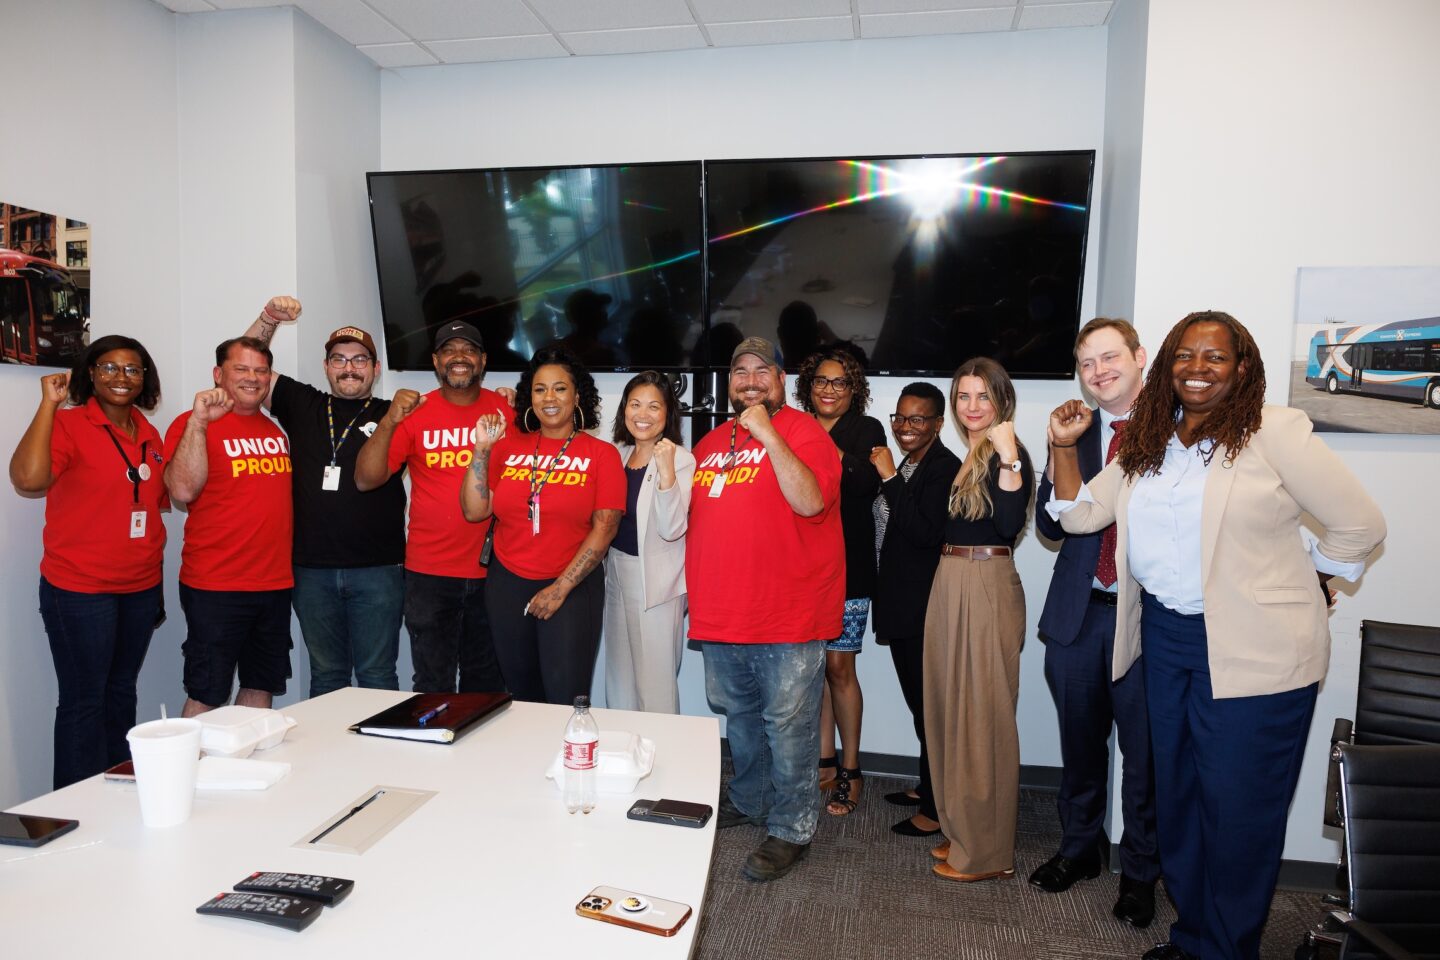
x=1342, y=734
x=1375, y=938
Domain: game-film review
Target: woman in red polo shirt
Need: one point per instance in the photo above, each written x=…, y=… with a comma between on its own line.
x=98, y=464
x=557, y=494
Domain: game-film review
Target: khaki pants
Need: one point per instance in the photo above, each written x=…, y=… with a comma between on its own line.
x=974, y=628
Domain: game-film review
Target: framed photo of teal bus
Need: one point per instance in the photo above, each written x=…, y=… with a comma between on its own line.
x=1366, y=357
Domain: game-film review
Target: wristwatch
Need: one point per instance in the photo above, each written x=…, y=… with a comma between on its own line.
x=1013, y=466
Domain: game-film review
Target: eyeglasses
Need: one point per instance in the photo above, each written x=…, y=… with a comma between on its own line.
x=108, y=369
x=337, y=362
x=918, y=422
x=835, y=384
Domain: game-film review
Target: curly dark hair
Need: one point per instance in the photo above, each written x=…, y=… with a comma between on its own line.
x=82, y=388
x=1231, y=425
x=661, y=382
x=587, y=396
x=854, y=372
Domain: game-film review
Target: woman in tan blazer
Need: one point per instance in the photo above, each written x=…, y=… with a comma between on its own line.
x=645, y=568
x=1206, y=492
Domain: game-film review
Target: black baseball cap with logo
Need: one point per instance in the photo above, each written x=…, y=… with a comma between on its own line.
x=458, y=330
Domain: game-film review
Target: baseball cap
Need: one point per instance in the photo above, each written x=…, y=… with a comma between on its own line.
x=351, y=335
x=458, y=329
x=759, y=346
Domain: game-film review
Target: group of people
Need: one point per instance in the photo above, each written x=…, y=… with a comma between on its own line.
x=1177, y=503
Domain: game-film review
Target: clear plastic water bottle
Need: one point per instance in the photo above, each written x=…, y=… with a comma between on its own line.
x=582, y=748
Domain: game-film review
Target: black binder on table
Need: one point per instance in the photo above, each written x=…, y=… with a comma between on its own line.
x=432, y=717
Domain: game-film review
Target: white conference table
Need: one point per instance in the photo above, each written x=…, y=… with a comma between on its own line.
x=491, y=866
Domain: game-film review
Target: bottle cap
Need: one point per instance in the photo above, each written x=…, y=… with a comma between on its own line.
x=582, y=701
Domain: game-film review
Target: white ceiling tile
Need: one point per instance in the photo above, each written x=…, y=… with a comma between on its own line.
x=925, y=24
x=1064, y=15
x=734, y=11
x=187, y=6
x=650, y=40
x=781, y=31
x=928, y=6
x=564, y=16
x=489, y=49
x=459, y=19
x=352, y=20
x=397, y=54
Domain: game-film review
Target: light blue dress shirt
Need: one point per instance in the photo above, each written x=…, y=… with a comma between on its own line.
x=1162, y=543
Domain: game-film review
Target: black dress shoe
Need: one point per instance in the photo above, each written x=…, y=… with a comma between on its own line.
x=1060, y=873
x=907, y=828
x=1136, y=903
x=1166, y=951
x=902, y=799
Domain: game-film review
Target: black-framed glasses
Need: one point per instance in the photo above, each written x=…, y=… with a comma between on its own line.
x=835, y=384
x=131, y=371
x=337, y=362
x=918, y=422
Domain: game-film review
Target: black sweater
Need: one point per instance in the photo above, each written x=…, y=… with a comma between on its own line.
x=856, y=435
x=911, y=550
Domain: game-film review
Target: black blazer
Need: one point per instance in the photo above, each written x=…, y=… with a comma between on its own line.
x=1074, y=573
x=856, y=435
x=910, y=553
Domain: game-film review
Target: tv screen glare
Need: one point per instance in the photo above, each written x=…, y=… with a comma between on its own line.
x=605, y=259
x=920, y=262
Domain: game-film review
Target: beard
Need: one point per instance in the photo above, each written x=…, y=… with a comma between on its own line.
x=456, y=379
x=741, y=402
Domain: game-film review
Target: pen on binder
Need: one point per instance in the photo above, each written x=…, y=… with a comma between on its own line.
x=429, y=715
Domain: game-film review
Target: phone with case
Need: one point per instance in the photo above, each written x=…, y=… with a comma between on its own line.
x=677, y=812
x=623, y=908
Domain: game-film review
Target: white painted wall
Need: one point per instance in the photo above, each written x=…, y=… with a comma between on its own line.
x=103, y=148
x=998, y=92
x=1281, y=135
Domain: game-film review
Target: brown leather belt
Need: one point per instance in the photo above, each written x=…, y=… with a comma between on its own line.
x=974, y=553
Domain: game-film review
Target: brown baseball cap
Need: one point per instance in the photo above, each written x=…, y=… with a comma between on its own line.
x=351, y=335
x=759, y=346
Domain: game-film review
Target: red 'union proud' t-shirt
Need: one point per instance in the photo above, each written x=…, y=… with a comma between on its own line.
x=757, y=571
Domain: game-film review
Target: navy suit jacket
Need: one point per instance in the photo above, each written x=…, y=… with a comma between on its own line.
x=1074, y=574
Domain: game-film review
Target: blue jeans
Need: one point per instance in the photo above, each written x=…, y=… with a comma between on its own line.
x=98, y=642
x=350, y=619
x=769, y=694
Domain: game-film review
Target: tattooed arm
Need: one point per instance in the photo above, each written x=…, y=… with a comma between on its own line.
x=475, y=488
x=603, y=524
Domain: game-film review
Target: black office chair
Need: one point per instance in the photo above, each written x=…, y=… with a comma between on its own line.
x=1391, y=802
x=1398, y=702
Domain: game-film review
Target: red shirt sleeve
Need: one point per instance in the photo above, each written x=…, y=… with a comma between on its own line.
x=173, y=434
x=400, y=443
x=610, y=490
x=62, y=444
x=818, y=452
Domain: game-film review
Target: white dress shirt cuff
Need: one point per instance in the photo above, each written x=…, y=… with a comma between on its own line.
x=1055, y=506
x=1349, y=571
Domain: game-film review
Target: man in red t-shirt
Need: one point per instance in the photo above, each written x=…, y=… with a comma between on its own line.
x=230, y=466
x=434, y=435
x=764, y=561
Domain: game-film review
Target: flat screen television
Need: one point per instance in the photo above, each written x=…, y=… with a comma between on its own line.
x=605, y=258
x=920, y=262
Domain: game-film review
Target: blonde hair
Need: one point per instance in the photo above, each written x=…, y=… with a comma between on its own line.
x=970, y=493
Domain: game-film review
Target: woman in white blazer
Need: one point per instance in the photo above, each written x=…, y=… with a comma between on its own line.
x=645, y=568
x=1219, y=604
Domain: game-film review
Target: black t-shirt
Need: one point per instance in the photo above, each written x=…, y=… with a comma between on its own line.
x=1002, y=528
x=343, y=527
x=627, y=535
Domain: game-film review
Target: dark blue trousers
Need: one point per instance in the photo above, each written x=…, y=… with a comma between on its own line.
x=1088, y=704
x=1225, y=772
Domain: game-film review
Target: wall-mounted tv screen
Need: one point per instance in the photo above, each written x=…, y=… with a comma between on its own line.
x=921, y=262
x=605, y=259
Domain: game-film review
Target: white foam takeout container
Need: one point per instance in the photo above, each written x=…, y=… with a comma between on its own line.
x=623, y=760
x=237, y=731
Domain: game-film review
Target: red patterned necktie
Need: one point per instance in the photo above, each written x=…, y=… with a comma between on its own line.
x=1105, y=569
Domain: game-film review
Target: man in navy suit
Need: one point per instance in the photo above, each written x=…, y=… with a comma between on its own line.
x=1078, y=628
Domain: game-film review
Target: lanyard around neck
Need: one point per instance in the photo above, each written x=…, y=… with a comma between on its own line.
x=540, y=478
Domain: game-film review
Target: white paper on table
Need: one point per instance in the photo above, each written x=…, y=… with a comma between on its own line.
x=224, y=773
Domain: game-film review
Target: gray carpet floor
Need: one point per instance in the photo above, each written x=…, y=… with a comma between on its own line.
x=864, y=892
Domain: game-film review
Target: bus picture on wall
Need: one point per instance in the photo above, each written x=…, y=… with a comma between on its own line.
x=44, y=286
x=1366, y=355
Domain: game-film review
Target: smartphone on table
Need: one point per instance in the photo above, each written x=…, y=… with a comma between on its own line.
x=680, y=813
x=626, y=909
x=25, y=830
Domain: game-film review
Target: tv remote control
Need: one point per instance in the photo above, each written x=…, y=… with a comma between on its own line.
x=292, y=913
x=328, y=890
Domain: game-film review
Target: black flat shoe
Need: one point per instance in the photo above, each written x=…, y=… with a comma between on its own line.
x=1060, y=873
x=1166, y=951
x=907, y=828
x=902, y=799
x=1136, y=903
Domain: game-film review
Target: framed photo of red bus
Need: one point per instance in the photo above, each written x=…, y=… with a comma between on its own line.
x=1366, y=357
x=44, y=286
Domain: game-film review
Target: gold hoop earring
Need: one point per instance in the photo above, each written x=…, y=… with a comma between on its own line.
x=580, y=412
x=526, y=423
